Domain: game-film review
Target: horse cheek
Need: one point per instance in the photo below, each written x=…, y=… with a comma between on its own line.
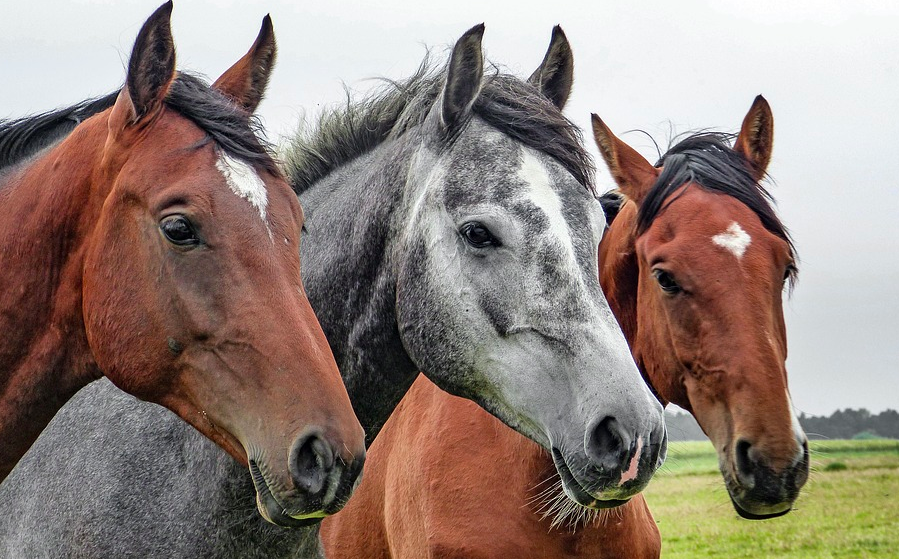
x=116, y=314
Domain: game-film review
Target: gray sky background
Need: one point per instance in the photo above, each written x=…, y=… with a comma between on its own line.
x=828, y=68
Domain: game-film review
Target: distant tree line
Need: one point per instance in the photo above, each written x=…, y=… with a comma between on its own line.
x=841, y=424
x=852, y=424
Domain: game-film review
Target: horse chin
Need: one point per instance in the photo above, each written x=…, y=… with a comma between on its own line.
x=576, y=492
x=772, y=512
x=274, y=514
x=272, y=510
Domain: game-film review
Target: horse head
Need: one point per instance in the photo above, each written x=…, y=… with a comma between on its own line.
x=192, y=295
x=709, y=259
x=498, y=294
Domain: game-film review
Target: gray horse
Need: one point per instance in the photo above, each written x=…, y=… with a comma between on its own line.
x=451, y=227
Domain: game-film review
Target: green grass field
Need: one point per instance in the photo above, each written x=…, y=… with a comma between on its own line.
x=848, y=509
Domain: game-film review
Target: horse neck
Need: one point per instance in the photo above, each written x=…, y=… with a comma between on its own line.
x=352, y=220
x=44, y=355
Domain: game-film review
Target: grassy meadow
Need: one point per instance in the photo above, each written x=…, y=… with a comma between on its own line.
x=848, y=509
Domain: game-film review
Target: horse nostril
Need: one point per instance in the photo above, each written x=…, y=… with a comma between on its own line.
x=311, y=460
x=745, y=465
x=803, y=459
x=608, y=444
x=662, y=449
x=801, y=466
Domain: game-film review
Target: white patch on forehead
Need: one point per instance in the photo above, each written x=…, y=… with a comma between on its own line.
x=733, y=239
x=533, y=172
x=245, y=182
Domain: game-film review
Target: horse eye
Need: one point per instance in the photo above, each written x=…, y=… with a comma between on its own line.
x=179, y=231
x=666, y=281
x=791, y=269
x=478, y=236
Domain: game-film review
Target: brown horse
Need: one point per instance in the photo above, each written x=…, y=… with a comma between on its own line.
x=158, y=245
x=694, y=267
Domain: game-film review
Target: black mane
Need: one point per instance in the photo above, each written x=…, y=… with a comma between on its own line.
x=706, y=159
x=611, y=203
x=227, y=124
x=188, y=95
x=512, y=106
x=22, y=138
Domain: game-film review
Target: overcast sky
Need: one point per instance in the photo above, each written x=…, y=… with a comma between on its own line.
x=828, y=68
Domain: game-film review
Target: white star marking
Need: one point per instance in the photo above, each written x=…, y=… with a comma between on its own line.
x=245, y=183
x=734, y=239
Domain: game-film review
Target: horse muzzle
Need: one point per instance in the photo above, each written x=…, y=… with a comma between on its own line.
x=322, y=483
x=759, y=492
x=614, y=468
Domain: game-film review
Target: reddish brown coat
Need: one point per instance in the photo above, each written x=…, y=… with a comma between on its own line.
x=218, y=328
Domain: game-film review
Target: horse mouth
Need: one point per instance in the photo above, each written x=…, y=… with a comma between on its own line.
x=271, y=509
x=751, y=505
x=755, y=515
x=576, y=492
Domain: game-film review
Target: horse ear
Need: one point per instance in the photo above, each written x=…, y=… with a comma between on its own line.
x=245, y=82
x=151, y=68
x=631, y=171
x=463, y=78
x=756, y=138
x=555, y=75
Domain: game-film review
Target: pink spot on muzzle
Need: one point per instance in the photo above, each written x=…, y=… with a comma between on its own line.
x=631, y=472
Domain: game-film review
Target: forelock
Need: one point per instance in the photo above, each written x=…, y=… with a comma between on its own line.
x=707, y=160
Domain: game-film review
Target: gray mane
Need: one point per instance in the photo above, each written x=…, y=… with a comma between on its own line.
x=507, y=103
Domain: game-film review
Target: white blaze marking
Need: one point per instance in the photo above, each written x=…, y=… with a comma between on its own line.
x=443, y=253
x=734, y=239
x=244, y=182
x=544, y=197
x=798, y=432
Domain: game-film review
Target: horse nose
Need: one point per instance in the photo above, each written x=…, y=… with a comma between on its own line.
x=751, y=462
x=310, y=463
x=608, y=444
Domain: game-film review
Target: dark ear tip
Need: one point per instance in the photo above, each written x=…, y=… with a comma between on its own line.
x=761, y=103
x=160, y=18
x=268, y=29
x=267, y=24
x=476, y=31
x=158, y=25
x=559, y=34
x=164, y=11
